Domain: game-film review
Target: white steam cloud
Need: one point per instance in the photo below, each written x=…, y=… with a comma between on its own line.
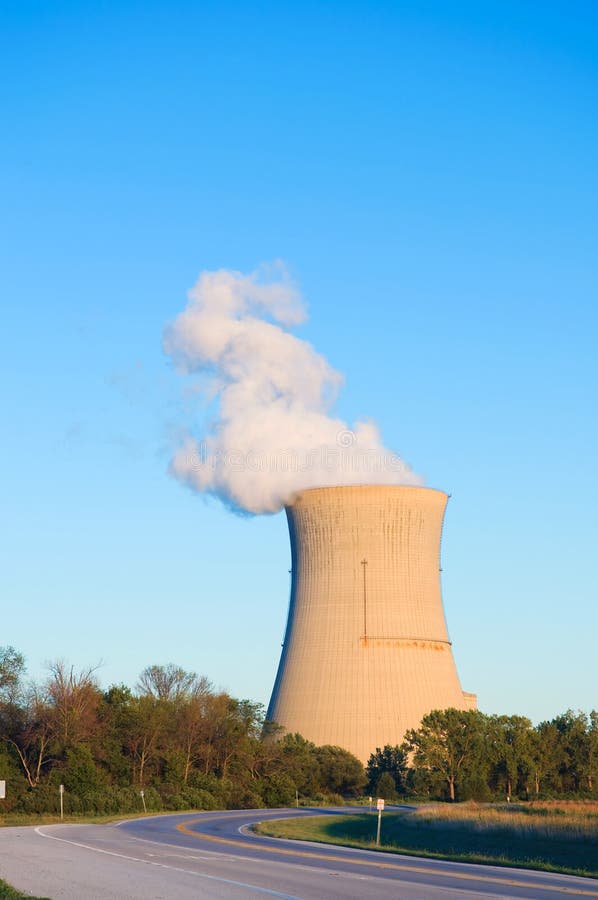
x=273, y=434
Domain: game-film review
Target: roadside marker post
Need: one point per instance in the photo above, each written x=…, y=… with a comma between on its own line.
x=379, y=807
x=61, y=792
x=143, y=800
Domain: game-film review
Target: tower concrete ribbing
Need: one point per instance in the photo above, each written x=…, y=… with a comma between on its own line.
x=366, y=651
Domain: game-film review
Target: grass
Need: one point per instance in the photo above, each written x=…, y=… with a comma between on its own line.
x=542, y=820
x=552, y=836
x=9, y=893
x=23, y=819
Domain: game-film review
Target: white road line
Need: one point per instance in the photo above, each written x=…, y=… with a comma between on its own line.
x=149, y=862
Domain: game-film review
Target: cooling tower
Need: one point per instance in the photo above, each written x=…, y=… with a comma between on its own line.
x=366, y=652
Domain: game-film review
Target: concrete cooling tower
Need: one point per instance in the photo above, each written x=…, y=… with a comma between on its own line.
x=366, y=652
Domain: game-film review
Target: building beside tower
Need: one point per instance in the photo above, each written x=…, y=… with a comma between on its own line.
x=366, y=652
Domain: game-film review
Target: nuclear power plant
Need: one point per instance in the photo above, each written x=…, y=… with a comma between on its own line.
x=366, y=652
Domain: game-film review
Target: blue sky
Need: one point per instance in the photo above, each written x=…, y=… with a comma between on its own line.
x=428, y=173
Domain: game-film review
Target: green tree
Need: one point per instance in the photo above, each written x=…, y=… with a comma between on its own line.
x=546, y=756
x=277, y=790
x=80, y=772
x=577, y=733
x=17, y=720
x=239, y=725
x=592, y=774
x=385, y=788
x=392, y=760
x=147, y=723
x=117, y=720
x=510, y=749
x=340, y=771
x=446, y=742
x=190, y=731
x=12, y=670
x=298, y=759
x=30, y=732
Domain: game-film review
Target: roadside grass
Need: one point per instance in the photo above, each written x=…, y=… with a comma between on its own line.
x=9, y=893
x=547, y=819
x=552, y=836
x=16, y=820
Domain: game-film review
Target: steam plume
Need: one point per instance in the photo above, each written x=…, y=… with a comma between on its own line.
x=273, y=434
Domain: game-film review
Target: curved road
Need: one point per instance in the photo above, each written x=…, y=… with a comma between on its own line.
x=212, y=855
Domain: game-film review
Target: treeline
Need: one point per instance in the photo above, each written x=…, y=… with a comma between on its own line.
x=174, y=737
x=463, y=755
x=186, y=745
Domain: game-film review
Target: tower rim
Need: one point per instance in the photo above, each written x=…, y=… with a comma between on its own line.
x=374, y=486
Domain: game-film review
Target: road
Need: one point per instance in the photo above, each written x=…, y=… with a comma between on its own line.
x=212, y=855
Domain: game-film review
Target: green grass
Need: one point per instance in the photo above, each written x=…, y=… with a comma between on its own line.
x=10, y=820
x=9, y=893
x=459, y=838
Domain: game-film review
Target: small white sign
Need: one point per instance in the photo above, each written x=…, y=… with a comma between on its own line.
x=2, y=790
x=61, y=789
x=380, y=803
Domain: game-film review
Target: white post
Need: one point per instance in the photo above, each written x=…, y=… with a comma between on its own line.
x=143, y=800
x=379, y=807
x=61, y=791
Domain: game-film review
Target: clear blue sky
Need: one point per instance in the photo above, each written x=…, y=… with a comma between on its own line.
x=428, y=171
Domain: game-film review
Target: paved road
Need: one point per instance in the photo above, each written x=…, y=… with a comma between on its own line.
x=210, y=855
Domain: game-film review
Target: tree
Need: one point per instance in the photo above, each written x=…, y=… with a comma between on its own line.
x=12, y=670
x=171, y=682
x=340, y=771
x=391, y=760
x=546, y=754
x=190, y=728
x=576, y=760
x=170, y=725
x=42, y=723
x=298, y=759
x=233, y=724
x=510, y=748
x=592, y=774
x=147, y=724
x=74, y=698
x=446, y=742
x=13, y=707
x=81, y=773
x=31, y=732
x=116, y=723
x=385, y=787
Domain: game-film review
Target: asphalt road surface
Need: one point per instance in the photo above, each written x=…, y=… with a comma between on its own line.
x=212, y=855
